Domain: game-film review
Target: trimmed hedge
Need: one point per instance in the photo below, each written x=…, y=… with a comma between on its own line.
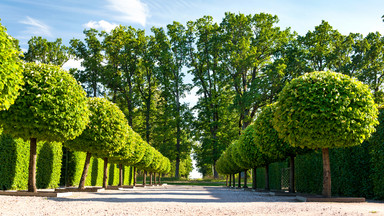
x=73, y=164
x=14, y=160
x=274, y=175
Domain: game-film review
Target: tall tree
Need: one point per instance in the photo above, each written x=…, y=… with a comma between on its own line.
x=43, y=51
x=91, y=56
x=204, y=47
x=171, y=57
x=249, y=44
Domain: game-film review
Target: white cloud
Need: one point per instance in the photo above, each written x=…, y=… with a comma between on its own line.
x=101, y=25
x=36, y=27
x=130, y=10
x=72, y=63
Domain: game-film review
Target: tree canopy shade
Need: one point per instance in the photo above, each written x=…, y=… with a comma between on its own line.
x=10, y=69
x=325, y=110
x=51, y=107
x=105, y=134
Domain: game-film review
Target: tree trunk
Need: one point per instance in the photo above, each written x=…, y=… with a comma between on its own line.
x=120, y=175
x=215, y=173
x=32, y=166
x=134, y=176
x=266, y=177
x=239, y=181
x=326, y=173
x=254, y=183
x=292, y=174
x=155, y=177
x=233, y=181
x=226, y=180
x=230, y=180
x=159, y=179
x=150, y=178
x=105, y=177
x=144, y=178
x=245, y=179
x=85, y=171
x=177, y=170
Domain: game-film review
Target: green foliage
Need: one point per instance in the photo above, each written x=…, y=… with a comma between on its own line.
x=52, y=106
x=40, y=50
x=274, y=175
x=106, y=131
x=14, y=164
x=75, y=166
x=11, y=77
x=325, y=110
x=377, y=155
x=249, y=148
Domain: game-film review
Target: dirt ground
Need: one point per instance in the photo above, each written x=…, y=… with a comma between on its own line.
x=179, y=200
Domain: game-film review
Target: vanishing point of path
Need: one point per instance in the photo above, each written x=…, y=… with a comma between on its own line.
x=179, y=200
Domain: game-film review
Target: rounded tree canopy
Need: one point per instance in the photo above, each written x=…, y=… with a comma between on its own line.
x=325, y=110
x=52, y=106
x=270, y=145
x=136, y=149
x=11, y=77
x=236, y=155
x=249, y=148
x=106, y=132
x=147, y=159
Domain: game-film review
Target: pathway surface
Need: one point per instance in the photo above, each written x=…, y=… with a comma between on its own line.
x=179, y=200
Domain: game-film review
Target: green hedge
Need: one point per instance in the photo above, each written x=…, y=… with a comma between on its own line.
x=73, y=164
x=14, y=160
x=274, y=175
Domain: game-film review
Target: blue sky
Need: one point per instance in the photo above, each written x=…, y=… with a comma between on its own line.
x=67, y=19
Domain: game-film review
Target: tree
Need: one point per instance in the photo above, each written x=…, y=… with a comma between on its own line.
x=105, y=134
x=249, y=43
x=90, y=53
x=51, y=107
x=325, y=110
x=11, y=77
x=171, y=56
x=273, y=147
x=214, y=127
x=40, y=50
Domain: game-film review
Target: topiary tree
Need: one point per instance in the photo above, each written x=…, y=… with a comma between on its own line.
x=51, y=107
x=325, y=110
x=250, y=151
x=273, y=147
x=11, y=77
x=104, y=135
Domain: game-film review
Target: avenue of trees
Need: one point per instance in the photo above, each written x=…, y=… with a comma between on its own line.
x=237, y=66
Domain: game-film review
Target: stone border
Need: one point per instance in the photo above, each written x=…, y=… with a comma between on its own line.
x=37, y=194
x=331, y=199
x=91, y=189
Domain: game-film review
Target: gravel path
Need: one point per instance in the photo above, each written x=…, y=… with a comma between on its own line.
x=179, y=200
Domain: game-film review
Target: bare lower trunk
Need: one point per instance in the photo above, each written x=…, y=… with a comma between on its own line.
x=155, y=177
x=292, y=174
x=215, y=173
x=85, y=171
x=239, y=181
x=145, y=178
x=233, y=181
x=134, y=176
x=120, y=174
x=32, y=166
x=267, y=177
x=230, y=180
x=150, y=178
x=245, y=179
x=105, y=174
x=177, y=170
x=254, y=175
x=226, y=180
x=326, y=173
x=159, y=179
